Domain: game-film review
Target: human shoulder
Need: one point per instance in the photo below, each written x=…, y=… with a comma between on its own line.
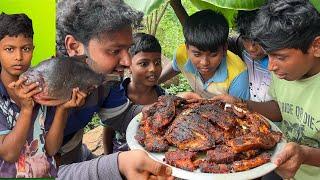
x=235, y=63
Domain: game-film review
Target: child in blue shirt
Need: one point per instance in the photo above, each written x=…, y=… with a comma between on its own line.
x=142, y=87
x=26, y=148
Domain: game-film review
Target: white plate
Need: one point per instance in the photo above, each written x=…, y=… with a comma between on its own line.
x=180, y=173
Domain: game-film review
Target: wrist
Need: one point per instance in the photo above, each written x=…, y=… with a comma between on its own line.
x=304, y=154
x=26, y=111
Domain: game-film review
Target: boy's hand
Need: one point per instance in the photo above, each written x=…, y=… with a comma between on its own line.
x=77, y=99
x=25, y=92
x=227, y=99
x=136, y=164
x=189, y=95
x=289, y=160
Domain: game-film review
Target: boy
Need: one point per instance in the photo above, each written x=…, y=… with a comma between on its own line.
x=289, y=32
x=142, y=87
x=204, y=60
x=101, y=30
x=253, y=55
x=26, y=149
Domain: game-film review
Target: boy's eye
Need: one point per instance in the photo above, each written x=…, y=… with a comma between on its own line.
x=143, y=64
x=213, y=54
x=196, y=54
x=114, y=52
x=158, y=62
x=281, y=58
x=27, y=49
x=9, y=49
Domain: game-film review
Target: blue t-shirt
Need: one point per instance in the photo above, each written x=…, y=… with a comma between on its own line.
x=79, y=117
x=33, y=161
x=119, y=139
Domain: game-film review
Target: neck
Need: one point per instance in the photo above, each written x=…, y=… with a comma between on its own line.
x=7, y=79
x=139, y=88
x=314, y=70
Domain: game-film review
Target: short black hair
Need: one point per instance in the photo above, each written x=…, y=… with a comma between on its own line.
x=286, y=24
x=87, y=19
x=243, y=22
x=15, y=24
x=207, y=30
x=143, y=42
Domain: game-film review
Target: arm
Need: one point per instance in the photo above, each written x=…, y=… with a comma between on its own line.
x=235, y=45
x=12, y=143
x=54, y=137
x=179, y=10
x=293, y=156
x=108, y=134
x=269, y=109
x=167, y=73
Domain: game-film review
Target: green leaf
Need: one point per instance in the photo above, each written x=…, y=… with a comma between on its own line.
x=235, y=4
x=228, y=13
x=146, y=6
x=316, y=4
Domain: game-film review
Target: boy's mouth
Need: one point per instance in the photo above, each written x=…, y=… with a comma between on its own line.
x=281, y=75
x=17, y=67
x=152, y=78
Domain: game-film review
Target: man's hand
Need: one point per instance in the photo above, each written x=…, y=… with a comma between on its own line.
x=289, y=160
x=136, y=164
x=24, y=92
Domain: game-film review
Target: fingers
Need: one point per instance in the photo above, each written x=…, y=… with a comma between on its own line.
x=153, y=177
x=283, y=156
x=289, y=160
x=20, y=81
x=156, y=168
x=77, y=98
x=25, y=91
x=12, y=85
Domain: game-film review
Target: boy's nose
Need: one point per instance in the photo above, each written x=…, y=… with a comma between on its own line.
x=152, y=67
x=19, y=55
x=204, y=61
x=272, y=66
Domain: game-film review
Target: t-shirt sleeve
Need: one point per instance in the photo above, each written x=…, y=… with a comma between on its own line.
x=115, y=104
x=4, y=127
x=235, y=45
x=240, y=86
x=271, y=91
x=175, y=63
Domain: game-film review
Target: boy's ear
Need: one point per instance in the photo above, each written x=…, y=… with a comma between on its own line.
x=316, y=47
x=73, y=46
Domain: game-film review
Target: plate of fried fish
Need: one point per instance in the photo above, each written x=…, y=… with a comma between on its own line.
x=205, y=139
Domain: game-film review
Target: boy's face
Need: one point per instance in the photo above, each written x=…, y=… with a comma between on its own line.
x=292, y=64
x=146, y=68
x=205, y=61
x=254, y=49
x=16, y=54
x=109, y=51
